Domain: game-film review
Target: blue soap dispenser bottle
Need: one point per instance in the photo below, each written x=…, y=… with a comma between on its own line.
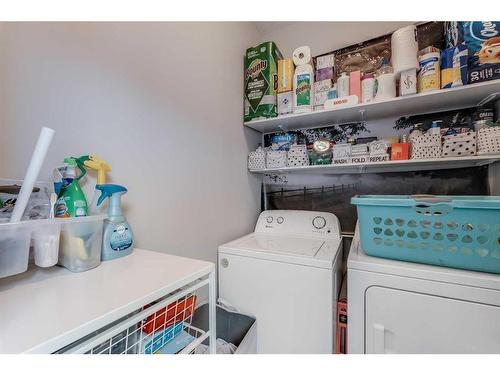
x=117, y=237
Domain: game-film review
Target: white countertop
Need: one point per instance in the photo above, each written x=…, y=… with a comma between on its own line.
x=43, y=310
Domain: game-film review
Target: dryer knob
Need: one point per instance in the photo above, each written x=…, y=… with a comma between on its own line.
x=224, y=262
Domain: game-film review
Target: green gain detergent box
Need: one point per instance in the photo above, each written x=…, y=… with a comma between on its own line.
x=261, y=81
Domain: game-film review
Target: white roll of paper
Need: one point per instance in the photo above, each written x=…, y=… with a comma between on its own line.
x=404, y=49
x=41, y=148
x=302, y=56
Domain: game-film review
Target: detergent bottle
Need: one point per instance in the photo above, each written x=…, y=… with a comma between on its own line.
x=99, y=165
x=71, y=200
x=117, y=237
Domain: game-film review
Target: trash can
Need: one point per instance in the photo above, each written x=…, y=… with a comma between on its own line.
x=233, y=328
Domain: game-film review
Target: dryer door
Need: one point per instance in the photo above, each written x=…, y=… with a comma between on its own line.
x=405, y=322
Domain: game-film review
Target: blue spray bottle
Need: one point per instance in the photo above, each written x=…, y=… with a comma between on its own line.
x=117, y=237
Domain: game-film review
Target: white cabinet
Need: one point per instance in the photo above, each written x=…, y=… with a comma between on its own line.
x=399, y=321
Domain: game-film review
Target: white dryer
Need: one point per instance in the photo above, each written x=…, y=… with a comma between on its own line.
x=402, y=307
x=287, y=275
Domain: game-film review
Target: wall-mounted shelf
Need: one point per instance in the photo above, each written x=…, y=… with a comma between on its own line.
x=439, y=100
x=388, y=166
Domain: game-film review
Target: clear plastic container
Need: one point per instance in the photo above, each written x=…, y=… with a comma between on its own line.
x=45, y=240
x=80, y=242
x=15, y=241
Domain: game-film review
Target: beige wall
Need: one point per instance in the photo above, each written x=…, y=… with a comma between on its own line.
x=323, y=37
x=161, y=102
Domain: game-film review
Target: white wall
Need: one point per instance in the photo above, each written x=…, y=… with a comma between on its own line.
x=161, y=102
x=323, y=37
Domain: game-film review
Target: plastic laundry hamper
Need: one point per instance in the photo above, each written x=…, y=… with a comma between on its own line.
x=452, y=231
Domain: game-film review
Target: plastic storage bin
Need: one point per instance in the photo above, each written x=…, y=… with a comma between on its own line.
x=80, y=242
x=15, y=241
x=452, y=231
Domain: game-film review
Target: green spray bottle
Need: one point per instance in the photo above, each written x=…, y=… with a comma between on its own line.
x=71, y=200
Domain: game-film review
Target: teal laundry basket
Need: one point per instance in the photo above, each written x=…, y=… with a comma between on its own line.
x=451, y=231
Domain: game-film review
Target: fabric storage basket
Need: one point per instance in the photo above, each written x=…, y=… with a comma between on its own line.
x=452, y=231
x=257, y=159
x=427, y=146
x=298, y=156
x=488, y=140
x=463, y=144
x=276, y=159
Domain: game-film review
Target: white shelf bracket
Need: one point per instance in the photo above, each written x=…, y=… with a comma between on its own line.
x=488, y=99
x=362, y=113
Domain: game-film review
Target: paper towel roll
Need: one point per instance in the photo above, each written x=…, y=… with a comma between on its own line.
x=302, y=55
x=404, y=48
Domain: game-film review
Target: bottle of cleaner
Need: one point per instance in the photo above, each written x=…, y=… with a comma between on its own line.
x=99, y=165
x=303, y=80
x=71, y=200
x=117, y=237
x=435, y=129
x=343, y=85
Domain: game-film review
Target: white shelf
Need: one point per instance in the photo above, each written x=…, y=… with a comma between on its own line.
x=439, y=100
x=388, y=166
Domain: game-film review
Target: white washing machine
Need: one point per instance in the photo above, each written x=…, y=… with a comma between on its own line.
x=287, y=275
x=402, y=307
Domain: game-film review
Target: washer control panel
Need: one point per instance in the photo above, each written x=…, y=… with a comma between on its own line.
x=295, y=222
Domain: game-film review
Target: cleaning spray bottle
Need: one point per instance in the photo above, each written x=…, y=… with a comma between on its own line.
x=71, y=200
x=303, y=80
x=117, y=237
x=99, y=165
